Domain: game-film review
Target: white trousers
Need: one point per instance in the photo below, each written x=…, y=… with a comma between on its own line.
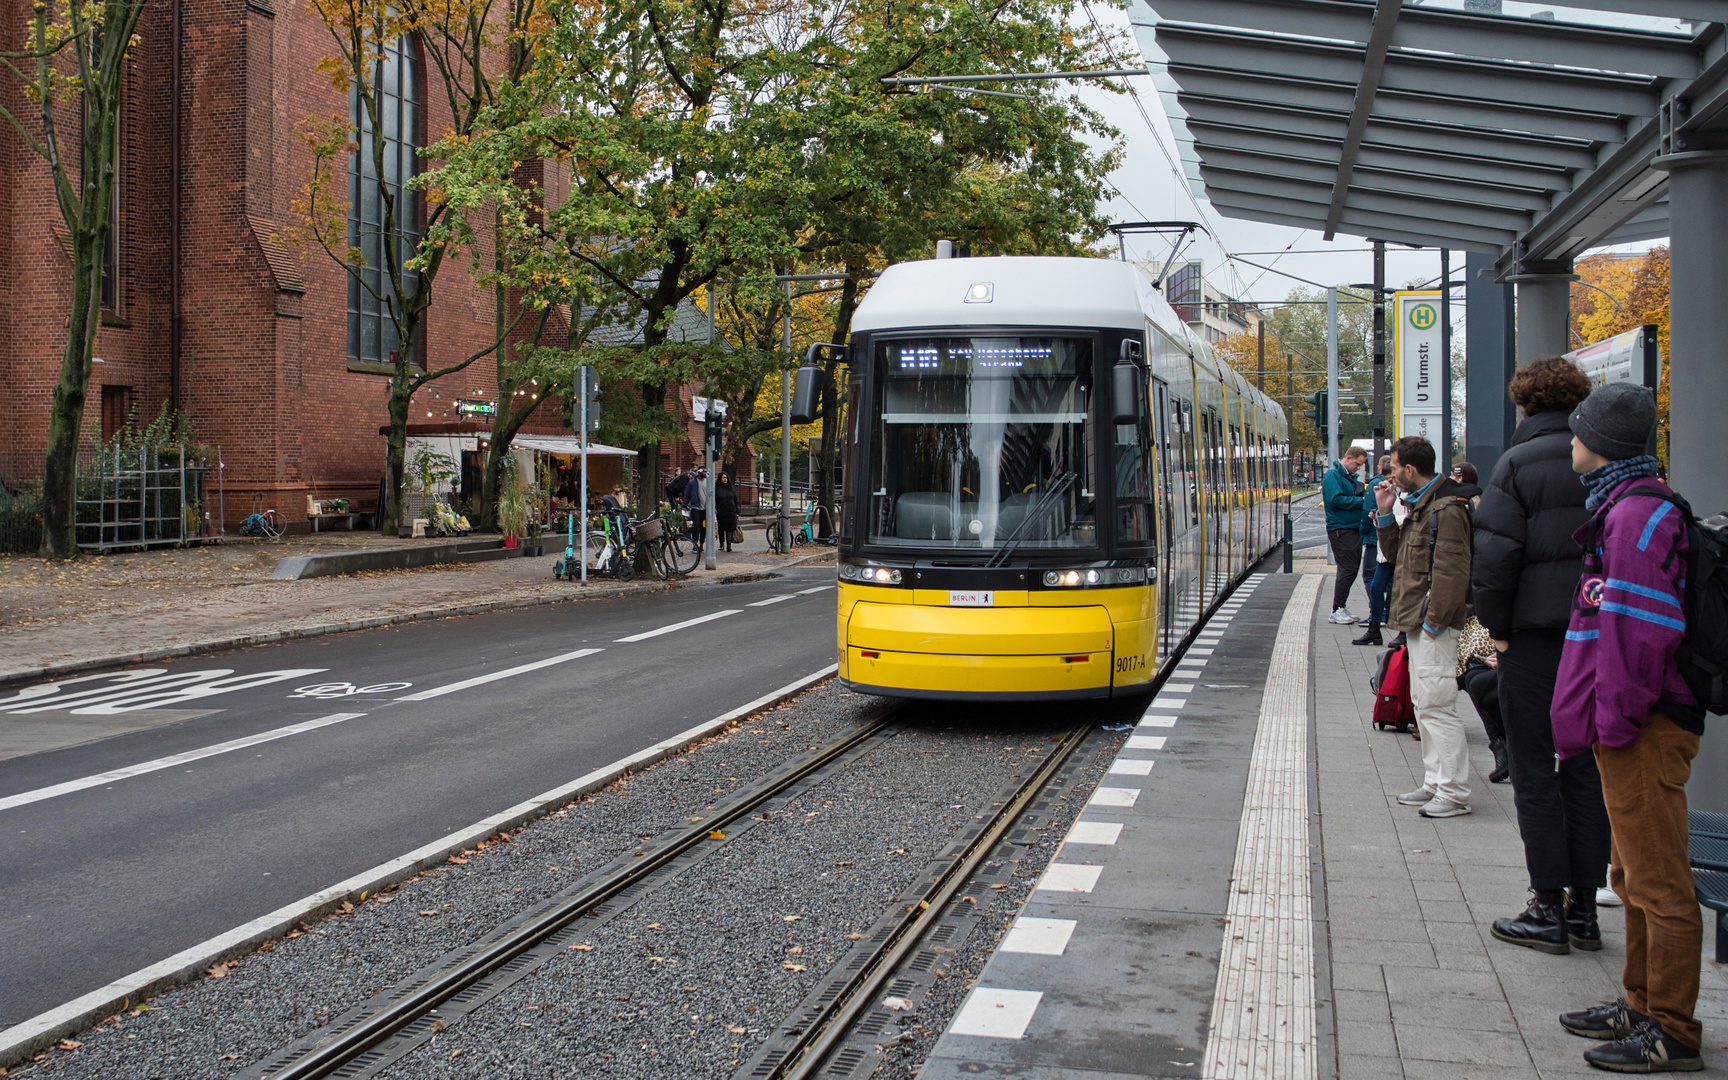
x=1434, y=692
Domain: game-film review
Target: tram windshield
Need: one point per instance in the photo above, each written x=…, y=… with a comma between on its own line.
x=982, y=442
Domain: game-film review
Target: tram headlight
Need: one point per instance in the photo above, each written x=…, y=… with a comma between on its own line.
x=1068, y=579
x=875, y=575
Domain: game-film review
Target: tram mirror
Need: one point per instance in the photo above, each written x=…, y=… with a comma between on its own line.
x=1125, y=393
x=806, y=395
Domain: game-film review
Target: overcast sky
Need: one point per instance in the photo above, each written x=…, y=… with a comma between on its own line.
x=1149, y=191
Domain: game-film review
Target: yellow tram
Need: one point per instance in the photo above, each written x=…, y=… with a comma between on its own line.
x=1048, y=480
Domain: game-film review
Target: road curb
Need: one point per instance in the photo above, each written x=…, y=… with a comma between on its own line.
x=273, y=637
x=20, y=1042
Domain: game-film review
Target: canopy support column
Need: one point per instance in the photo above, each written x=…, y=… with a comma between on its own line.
x=1544, y=309
x=1488, y=354
x=1698, y=378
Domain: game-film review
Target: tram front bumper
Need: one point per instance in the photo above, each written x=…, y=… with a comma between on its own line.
x=1020, y=653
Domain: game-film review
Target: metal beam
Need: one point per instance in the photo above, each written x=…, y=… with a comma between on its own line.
x=1375, y=223
x=1471, y=215
x=1256, y=88
x=1227, y=52
x=1480, y=170
x=1373, y=60
x=1252, y=208
x=1495, y=37
x=1387, y=181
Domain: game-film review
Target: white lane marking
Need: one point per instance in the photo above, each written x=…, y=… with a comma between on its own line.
x=1150, y=720
x=27, y=797
x=1145, y=742
x=1094, y=832
x=807, y=592
x=996, y=1014
x=771, y=600
x=1114, y=796
x=646, y=634
x=155, y=692
x=41, y=1030
x=1130, y=767
x=1193, y=651
x=1178, y=688
x=1263, y=1011
x=1069, y=877
x=1162, y=702
x=1040, y=937
x=480, y=680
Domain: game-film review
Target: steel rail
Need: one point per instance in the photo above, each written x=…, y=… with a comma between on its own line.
x=326, y=1058
x=813, y=1046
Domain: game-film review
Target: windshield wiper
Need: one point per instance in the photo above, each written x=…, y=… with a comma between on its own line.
x=1063, y=482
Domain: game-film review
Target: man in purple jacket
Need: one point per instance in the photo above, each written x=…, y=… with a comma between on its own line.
x=1619, y=693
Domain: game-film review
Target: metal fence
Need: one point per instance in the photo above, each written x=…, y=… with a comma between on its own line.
x=20, y=522
x=150, y=496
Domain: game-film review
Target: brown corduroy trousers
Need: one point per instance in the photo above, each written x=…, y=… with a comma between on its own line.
x=1644, y=785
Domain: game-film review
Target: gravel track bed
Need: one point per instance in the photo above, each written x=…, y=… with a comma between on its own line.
x=689, y=981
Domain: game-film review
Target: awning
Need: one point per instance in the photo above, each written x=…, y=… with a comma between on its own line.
x=567, y=444
x=1527, y=136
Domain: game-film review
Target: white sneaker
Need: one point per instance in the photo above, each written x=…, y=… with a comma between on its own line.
x=1419, y=797
x=1341, y=616
x=1606, y=897
x=1443, y=808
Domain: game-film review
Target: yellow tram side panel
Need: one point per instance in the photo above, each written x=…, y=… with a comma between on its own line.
x=1024, y=643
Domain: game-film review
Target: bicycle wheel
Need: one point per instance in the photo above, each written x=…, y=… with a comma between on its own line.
x=591, y=553
x=682, y=554
x=772, y=532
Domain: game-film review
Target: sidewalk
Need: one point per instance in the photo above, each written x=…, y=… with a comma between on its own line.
x=1419, y=986
x=59, y=617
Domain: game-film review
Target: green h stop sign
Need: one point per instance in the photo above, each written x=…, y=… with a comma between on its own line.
x=1423, y=316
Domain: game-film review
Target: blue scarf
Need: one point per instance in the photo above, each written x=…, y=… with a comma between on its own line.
x=1610, y=476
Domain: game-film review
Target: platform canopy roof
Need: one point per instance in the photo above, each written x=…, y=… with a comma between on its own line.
x=1526, y=133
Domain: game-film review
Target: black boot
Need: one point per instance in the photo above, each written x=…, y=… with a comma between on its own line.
x=1397, y=641
x=1581, y=926
x=1372, y=637
x=1502, y=770
x=1542, y=926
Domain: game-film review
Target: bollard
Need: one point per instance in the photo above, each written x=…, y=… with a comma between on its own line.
x=1289, y=546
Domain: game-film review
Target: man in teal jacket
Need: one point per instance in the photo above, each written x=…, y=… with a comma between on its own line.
x=1343, y=495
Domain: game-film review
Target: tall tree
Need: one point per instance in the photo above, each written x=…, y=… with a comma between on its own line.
x=73, y=71
x=472, y=49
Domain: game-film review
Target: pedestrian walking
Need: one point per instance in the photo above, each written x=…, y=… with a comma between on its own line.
x=1430, y=582
x=696, y=501
x=1343, y=495
x=1620, y=695
x=1525, y=573
x=1377, y=571
x=725, y=510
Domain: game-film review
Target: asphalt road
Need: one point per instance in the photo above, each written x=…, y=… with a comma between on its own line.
x=428, y=727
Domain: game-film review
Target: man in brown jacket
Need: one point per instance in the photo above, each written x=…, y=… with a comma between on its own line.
x=1431, y=553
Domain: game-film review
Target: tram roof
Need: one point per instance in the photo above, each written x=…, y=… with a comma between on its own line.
x=1022, y=291
x=1527, y=136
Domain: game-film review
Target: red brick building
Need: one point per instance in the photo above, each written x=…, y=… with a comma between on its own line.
x=269, y=355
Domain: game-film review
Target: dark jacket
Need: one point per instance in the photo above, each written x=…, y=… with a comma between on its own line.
x=726, y=506
x=1371, y=532
x=1526, y=563
x=1342, y=494
x=1431, y=566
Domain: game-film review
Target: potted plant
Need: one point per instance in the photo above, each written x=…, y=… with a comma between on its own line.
x=513, y=513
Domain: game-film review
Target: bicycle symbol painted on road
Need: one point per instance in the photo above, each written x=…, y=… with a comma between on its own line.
x=327, y=691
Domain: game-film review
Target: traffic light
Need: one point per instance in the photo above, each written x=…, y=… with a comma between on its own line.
x=1317, y=412
x=588, y=397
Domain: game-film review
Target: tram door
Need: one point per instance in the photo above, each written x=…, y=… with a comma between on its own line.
x=1166, y=524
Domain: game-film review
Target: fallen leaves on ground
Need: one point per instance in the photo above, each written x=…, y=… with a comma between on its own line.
x=221, y=970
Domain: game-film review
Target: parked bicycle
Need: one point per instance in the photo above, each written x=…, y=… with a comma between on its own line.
x=612, y=547
x=807, y=531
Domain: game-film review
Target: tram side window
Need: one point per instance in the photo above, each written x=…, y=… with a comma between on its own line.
x=848, y=442
x=1190, y=476
x=1134, y=493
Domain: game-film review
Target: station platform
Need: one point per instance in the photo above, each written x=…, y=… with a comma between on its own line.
x=1244, y=898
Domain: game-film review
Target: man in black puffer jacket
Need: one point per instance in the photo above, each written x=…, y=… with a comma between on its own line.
x=1524, y=576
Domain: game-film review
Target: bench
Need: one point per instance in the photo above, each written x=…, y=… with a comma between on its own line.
x=1707, y=850
x=321, y=518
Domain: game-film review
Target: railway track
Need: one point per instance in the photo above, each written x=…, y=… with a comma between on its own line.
x=831, y=1030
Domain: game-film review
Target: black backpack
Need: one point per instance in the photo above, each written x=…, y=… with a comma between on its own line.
x=1703, y=654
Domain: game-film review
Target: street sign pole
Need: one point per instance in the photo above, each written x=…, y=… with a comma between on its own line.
x=785, y=529
x=582, y=496
x=1332, y=445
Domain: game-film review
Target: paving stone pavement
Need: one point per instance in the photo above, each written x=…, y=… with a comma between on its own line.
x=1419, y=988
x=56, y=614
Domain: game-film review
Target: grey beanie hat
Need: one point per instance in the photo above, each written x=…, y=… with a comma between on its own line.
x=1616, y=420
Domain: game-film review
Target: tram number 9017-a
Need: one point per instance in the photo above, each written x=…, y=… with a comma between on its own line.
x=1130, y=663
